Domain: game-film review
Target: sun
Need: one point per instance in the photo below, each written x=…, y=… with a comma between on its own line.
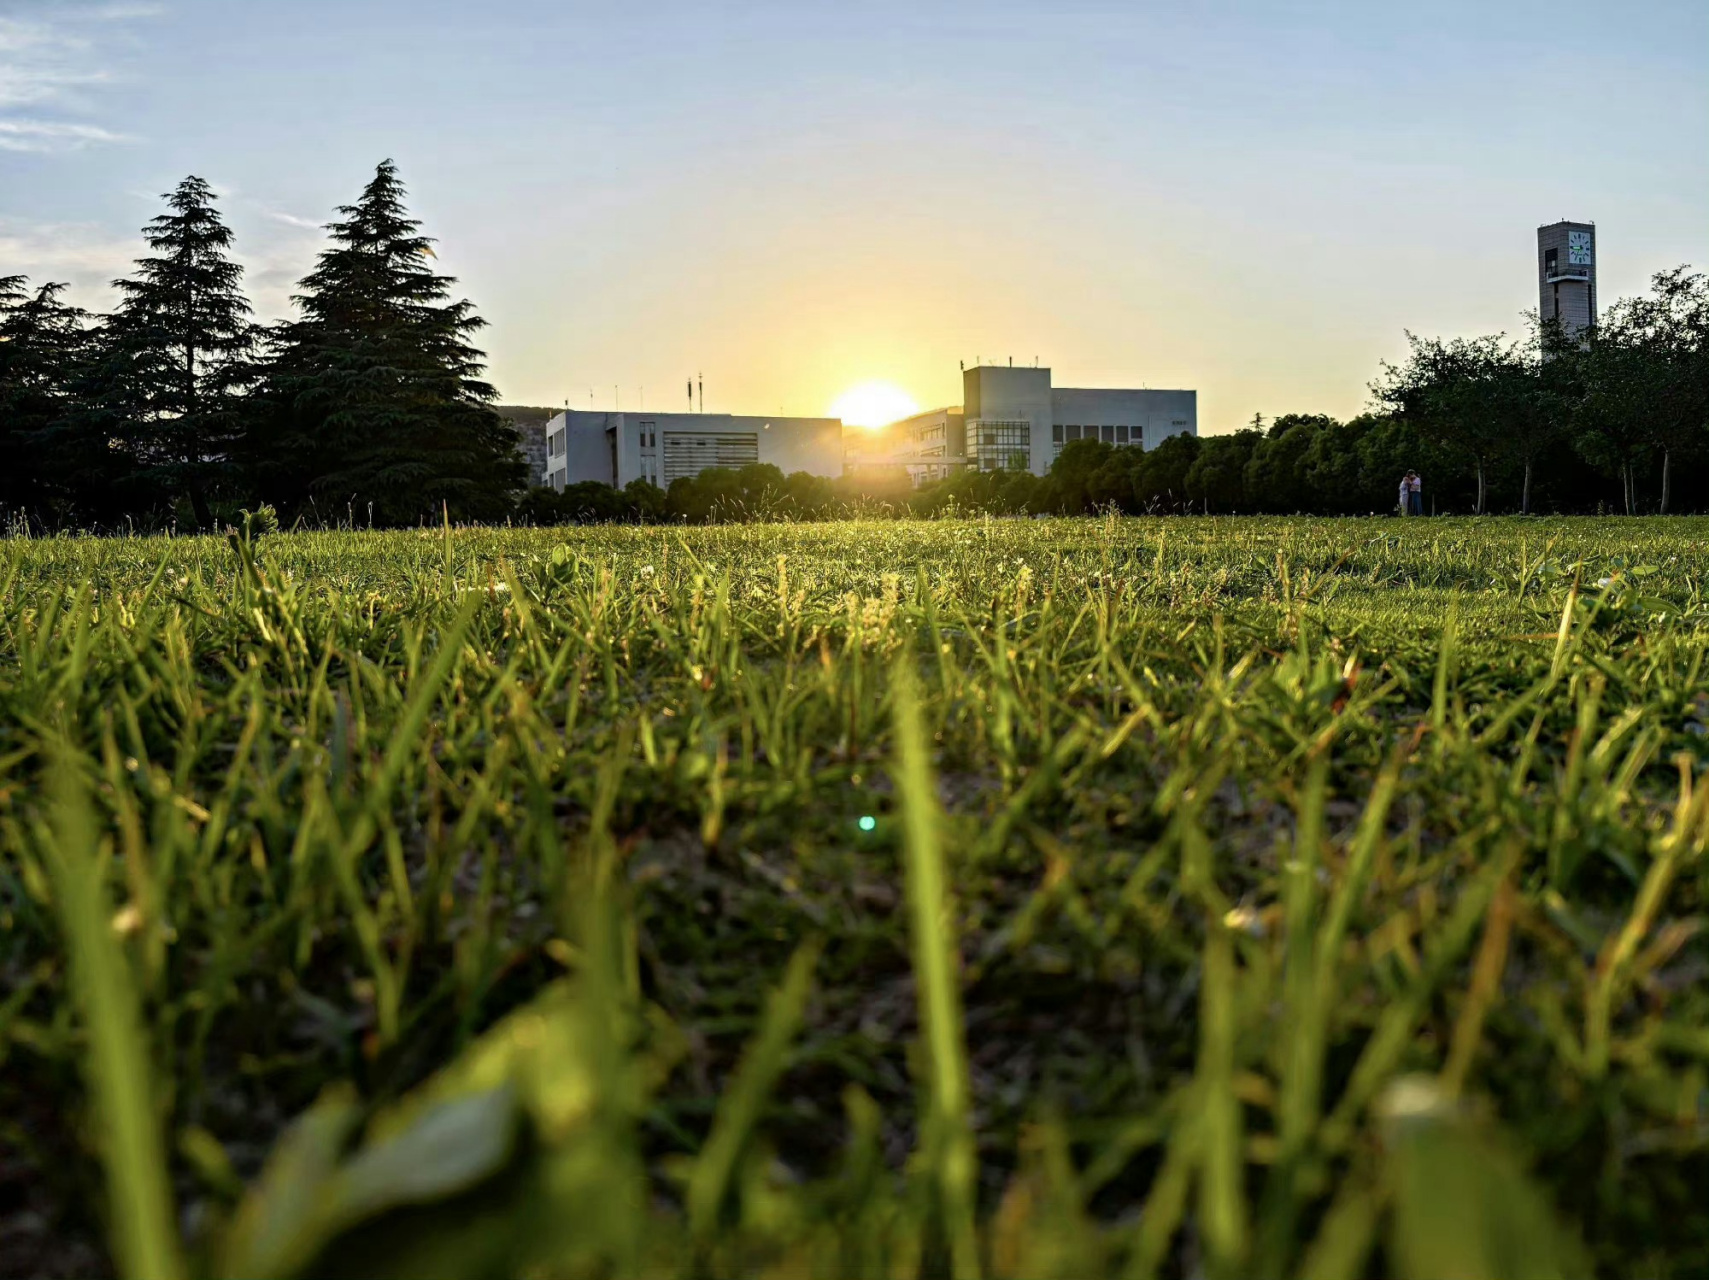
x=873, y=404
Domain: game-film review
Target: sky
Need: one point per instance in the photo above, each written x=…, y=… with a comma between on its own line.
x=1254, y=200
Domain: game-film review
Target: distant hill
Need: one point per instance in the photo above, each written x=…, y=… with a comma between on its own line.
x=530, y=423
x=525, y=412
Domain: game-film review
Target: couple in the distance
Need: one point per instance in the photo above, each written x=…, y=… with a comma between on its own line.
x=1411, y=494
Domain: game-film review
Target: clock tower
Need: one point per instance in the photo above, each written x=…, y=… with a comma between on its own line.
x=1566, y=274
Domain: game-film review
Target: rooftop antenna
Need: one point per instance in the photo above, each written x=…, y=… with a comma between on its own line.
x=1011, y=362
x=700, y=381
x=616, y=399
x=691, y=395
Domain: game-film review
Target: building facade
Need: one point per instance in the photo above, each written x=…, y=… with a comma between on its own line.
x=530, y=426
x=1013, y=419
x=1566, y=274
x=1009, y=419
x=617, y=448
x=930, y=446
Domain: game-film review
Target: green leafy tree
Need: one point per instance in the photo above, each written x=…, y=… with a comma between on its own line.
x=1334, y=471
x=1388, y=448
x=1161, y=483
x=175, y=355
x=1656, y=349
x=1111, y=486
x=717, y=493
x=1611, y=375
x=1217, y=478
x=374, y=395
x=647, y=500
x=1448, y=392
x=42, y=342
x=1074, y=473
x=1276, y=478
x=1528, y=399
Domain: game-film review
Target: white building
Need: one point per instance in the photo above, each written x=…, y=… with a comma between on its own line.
x=1008, y=418
x=936, y=442
x=1013, y=418
x=616, y=448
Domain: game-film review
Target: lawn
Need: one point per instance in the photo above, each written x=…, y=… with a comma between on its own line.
x=1178, y=897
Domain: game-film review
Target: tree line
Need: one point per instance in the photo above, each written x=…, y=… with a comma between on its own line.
x=368, y=407
x=1614, y=419
x=177, y=408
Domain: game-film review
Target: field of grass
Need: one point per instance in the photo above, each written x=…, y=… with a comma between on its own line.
x=1140, y=897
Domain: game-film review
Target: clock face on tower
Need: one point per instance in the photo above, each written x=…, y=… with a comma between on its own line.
x=1578, y=248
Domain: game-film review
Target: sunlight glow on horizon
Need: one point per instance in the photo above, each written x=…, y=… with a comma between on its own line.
x=1255, y=204
x=872, y=404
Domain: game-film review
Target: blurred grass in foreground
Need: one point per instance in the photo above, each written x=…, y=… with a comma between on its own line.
x=1241, y=897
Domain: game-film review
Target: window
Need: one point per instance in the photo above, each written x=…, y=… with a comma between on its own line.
x=1073, y=433
x=1121, y=435
x=1109, y=436
x=688, y=453
x=1056, y=434
x=1002, y=445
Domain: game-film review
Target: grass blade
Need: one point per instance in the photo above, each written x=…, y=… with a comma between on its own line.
x=739, y=1108
x=116, y=1062
x=936, y=965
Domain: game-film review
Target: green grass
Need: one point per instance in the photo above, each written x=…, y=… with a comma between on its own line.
x=1241, y=898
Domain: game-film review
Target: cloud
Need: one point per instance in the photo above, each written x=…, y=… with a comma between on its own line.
x=292, y=220
x=86, y=257
x=89, y=258
x=48, y=63
x=40, y=61
x=124, y=12
x=50, y=135
x=275, y=259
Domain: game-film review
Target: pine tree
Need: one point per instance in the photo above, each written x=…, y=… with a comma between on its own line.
x=377, y=404
x=176, y=354
x=43, y=342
